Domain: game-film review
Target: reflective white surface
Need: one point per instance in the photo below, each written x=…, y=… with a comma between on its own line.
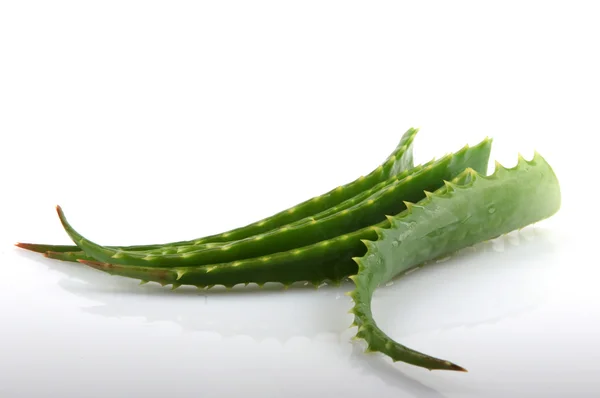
x=515, y=312
x=159, y=122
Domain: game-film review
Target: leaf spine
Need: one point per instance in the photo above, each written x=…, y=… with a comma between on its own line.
x=180, y=273
x=409, y=205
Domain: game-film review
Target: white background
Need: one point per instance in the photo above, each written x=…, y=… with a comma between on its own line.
x=160, y=121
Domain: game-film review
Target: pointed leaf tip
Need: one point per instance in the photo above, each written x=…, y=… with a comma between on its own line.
x=458, y=368
x=31, y=246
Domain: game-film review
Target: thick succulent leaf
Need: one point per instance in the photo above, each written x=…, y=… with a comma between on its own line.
x=400, y=160
x=472, y=209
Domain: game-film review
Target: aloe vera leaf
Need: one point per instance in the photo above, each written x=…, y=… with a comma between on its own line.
x=399, y=160
x=65, y=254
x=366, y=213
x=454, y=217
x=73, y=256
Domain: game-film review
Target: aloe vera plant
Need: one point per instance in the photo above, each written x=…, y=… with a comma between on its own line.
x=370, y=230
